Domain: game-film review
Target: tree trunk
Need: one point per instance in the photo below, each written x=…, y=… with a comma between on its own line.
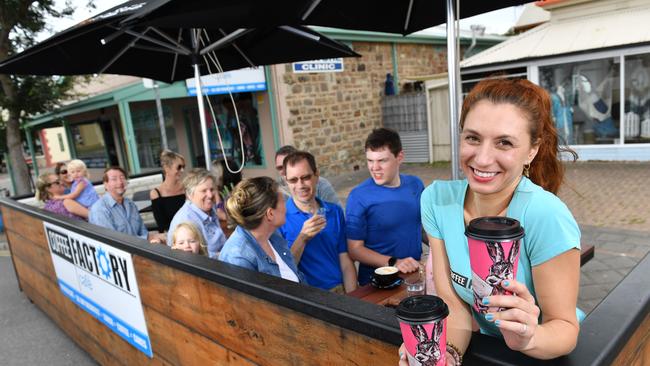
x=14, y=142
x=18, y=164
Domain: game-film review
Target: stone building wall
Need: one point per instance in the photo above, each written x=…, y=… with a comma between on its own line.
x=330, y=114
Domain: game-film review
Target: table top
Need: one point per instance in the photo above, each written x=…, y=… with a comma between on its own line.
x=385, y=297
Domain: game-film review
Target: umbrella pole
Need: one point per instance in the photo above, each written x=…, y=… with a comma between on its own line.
x=453, y=75
x=204, y=129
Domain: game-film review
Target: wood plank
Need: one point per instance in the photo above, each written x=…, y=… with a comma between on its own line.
x=260, y=331
x=38, y=257
x=27, y=226
x=637, y=349
x=586, y=253
x=172, y=340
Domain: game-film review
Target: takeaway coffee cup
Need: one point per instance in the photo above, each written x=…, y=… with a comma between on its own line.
x=493, y=254
x=422, y=320
x=385, y=276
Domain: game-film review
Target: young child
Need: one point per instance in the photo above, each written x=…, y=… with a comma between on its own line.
x=82, y=189
x=186, y=237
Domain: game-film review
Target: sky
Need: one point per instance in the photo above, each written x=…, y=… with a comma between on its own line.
x=496, y=22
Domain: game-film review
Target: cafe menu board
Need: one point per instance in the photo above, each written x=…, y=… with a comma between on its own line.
x=100, y=279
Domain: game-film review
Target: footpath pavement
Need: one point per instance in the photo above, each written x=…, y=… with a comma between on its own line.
x=611, y=202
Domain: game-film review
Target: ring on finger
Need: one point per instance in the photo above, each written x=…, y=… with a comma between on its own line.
x=524, y=329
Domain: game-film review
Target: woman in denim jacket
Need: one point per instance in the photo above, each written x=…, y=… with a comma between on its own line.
x=258, y=208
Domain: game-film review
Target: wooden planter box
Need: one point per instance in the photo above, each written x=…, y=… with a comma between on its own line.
x=201, y=311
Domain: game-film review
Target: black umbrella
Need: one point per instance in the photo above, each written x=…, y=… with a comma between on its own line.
x=101, y=45
x=393, y=16
x=168, y=53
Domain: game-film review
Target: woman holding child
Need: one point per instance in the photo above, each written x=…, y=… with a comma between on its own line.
x=509, y=153
x=203, y=207
x=258, y=208
x=49, y=186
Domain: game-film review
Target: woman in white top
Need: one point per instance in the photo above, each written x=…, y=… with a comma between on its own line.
x=258, y=208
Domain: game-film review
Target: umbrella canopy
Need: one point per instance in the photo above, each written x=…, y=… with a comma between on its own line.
x=392, y=16
x=101, y=45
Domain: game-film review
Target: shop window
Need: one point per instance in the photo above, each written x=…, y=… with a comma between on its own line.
x=585, y=100
x=637, y=99
x=89, y=144
x=146, y=129
x=227, y=123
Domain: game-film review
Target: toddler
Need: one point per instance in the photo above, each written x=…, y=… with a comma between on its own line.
x=82, y=189
x=186, y=237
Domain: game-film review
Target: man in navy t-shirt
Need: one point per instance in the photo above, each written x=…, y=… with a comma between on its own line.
x=383, y=212
x=315, y=229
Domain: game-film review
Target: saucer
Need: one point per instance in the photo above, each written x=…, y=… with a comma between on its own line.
x=396, y=283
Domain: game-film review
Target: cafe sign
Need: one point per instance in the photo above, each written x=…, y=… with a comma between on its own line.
x=100, y=279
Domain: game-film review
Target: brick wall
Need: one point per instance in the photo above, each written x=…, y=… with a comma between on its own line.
x=330, y=114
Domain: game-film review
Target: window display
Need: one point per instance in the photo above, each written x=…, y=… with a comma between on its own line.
x=585, y=100
x=637, y=99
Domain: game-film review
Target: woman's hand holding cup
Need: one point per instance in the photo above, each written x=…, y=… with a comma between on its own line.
x=519, y=316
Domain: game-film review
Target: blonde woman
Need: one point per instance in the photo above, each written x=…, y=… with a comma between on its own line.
x=48, y=186
x=258, y=208
x=169, y=196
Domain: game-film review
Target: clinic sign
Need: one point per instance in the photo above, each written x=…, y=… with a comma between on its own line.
x=237, y=81
x=100, y=279
x=325, y=65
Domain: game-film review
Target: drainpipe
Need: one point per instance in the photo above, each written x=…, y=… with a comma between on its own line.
x=477, y=30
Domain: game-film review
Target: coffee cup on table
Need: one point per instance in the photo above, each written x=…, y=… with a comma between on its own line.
x=422, y=321
x=385, y=276
x=494, y=255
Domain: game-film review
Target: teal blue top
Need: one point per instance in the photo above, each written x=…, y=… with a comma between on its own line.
x=550, y=230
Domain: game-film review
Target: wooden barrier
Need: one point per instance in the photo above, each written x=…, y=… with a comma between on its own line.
x=201, y=311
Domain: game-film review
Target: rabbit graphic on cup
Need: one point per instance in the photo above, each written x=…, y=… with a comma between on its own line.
x=428, y=349
x=502, y=268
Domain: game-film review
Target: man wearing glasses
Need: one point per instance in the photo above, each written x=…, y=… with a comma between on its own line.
x=315, y=229
x=324, y=189
x=114, y=211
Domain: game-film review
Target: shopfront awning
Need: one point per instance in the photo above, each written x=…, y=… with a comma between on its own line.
x=594, y=25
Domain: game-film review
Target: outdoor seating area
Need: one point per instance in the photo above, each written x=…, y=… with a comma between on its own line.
x=315, y=317
x=326, y=182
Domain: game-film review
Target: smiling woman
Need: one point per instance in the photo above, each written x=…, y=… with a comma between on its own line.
x=50, y=185
x=203, y=208
x=510, y=156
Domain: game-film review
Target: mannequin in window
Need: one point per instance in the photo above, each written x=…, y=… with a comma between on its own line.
x=562, y=114
x=637, y=105
x=597, y=105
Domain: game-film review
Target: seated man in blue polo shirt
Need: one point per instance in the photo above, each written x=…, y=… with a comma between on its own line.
x=315, y=229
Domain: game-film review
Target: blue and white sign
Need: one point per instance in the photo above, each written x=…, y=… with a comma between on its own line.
x=325, y=65
x=100, y=279
x=238, y=81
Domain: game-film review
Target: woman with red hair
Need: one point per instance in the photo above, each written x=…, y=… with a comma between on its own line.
x=510, y=156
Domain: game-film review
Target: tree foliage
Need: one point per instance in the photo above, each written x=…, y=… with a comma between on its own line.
x=24, y=96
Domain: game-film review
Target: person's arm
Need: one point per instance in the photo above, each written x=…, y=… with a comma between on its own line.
x=359, y=252
x=459, y=321
x=73, y=195
x=556, y=286
x=75, y=208
x=310, y=228
x=349, y=272
x=153, y=194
